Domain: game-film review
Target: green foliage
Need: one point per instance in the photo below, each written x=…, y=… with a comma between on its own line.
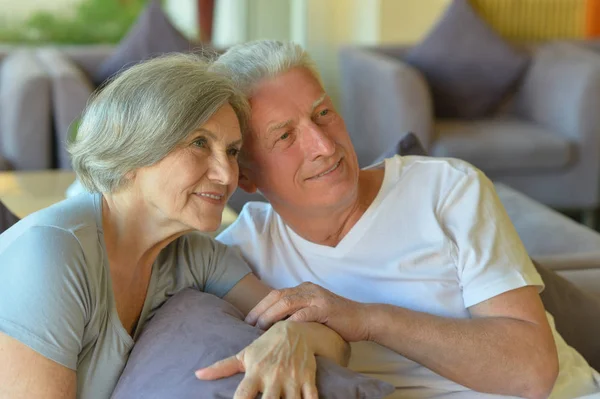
x=93, y=21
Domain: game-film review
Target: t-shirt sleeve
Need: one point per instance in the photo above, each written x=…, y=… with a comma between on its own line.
x=43, y=285
x=488, y=252
x=217, y=268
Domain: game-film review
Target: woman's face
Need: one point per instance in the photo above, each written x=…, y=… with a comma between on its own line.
x=193, y=183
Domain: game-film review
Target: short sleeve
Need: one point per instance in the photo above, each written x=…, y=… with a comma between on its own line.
x=489, y=254
x=216, y=267
x=43, y=287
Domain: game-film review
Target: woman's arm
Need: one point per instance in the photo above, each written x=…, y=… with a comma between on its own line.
x=322, y=340
x=24, y=373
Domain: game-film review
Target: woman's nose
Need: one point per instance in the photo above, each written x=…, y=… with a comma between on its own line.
x=221, y=170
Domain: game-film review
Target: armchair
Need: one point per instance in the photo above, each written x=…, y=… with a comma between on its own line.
x=69, y=69
x=545, y=141
x=25, y=115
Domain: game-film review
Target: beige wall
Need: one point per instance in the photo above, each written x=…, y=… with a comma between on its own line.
x=406, y=21
x=323, y=26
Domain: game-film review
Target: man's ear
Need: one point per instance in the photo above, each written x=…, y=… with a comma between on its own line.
x=245, y=183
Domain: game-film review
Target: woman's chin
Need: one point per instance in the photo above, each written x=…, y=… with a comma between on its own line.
x=205, y=226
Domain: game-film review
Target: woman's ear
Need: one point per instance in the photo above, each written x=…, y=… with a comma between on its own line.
x=245, y=183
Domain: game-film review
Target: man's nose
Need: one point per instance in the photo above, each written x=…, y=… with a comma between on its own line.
x=221, y=170
x=318, y=143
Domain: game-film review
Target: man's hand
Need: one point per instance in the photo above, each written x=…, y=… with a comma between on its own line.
x=281, y=363
x=309, y=302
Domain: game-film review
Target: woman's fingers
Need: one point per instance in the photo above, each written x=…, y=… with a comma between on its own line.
x=221, y=369
x=309, y=391
x=272, y=392
x=248, y=388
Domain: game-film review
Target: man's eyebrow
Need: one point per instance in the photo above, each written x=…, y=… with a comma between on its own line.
x=278, y=126
x=318, y=102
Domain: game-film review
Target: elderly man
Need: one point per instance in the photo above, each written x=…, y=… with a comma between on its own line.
x=415, y=263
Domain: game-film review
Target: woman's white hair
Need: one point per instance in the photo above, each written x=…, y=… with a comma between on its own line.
x=249, y=63
x=142, y=115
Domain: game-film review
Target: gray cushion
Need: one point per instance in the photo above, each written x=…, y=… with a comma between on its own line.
x=546, y=233
x=7, y=218
x=151, y=35
x=468, y=66
x=193, y=330
x=576, y=314
x=501, y=145
x=4, y=164
x=409, y=144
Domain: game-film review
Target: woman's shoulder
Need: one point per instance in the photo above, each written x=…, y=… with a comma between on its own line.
x=66, y=229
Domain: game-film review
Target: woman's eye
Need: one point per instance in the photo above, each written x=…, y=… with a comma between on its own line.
x=201, y=142
x=233, y=152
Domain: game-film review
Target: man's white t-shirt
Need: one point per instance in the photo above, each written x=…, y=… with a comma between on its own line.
x=436, y=239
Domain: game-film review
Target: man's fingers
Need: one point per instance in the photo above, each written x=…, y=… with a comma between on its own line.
x=221, y=369
x=248, y=389
x=309, y=314
x=281, y=309
x=263, y=305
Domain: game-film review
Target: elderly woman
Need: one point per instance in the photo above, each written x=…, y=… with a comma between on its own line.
x=157, y=150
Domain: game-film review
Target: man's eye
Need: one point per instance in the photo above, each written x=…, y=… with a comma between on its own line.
x=324, y=112
x=284, y=136
x=233, y=152
x=201, y=142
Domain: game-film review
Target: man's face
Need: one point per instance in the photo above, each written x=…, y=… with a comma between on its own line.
x=299, y=154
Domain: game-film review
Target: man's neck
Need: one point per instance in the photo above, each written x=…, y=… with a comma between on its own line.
x=331, y=226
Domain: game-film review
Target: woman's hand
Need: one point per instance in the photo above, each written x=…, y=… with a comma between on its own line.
x=281, y=363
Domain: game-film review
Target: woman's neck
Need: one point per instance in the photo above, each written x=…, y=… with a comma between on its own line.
x=134, y=234
x=330, y=227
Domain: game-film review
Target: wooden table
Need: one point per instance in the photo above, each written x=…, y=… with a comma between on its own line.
x=25, y=192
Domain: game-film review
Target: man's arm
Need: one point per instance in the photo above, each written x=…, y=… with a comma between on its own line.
x=506, y=347
x=24, y=373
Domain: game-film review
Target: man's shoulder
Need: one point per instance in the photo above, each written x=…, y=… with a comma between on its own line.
x=253, y=221
x=427, y=173
x=431, y=165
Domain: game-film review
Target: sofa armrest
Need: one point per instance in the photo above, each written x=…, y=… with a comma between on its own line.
x=25, y=115
x=71, y=89
x=382, y=99
x=561, y=91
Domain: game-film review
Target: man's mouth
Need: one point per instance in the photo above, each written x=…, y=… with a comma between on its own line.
x=334, y=167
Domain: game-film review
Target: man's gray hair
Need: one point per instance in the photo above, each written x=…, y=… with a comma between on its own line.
x=249, y=63
x=146, y=112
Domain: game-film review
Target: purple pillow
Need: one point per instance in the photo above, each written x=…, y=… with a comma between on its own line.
x=193, y=330
x=151, y=35
x=468, y=66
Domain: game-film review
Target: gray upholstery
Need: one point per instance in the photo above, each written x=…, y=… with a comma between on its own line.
x=70, y=88
x=555, y=241
x=70, y=68
x=502, y=145
x=25, y=114
x=383, y=97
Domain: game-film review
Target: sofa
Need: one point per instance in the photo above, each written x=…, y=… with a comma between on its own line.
x=69, y=69
x=543, y=142
x=25, y=111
